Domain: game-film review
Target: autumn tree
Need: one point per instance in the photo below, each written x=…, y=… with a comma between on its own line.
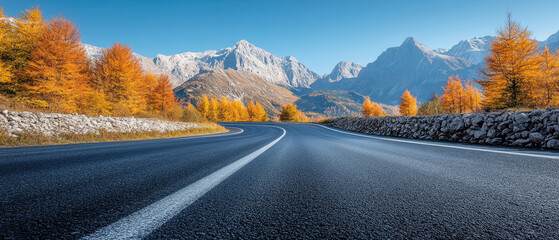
x=408, y=104
x=289, y=113
x=256, y=113
x=507, y=78
x=372, y=109
x=58, y=68
x=118, y=75
x=161, y=98
x=546, y=93
x=472, y=98
x=204, y=106
x=431, y=107
x=19, y=41
x=366, y=108
x=5, y=29
x=240, y=112
x=453, y=95
x=213, y=110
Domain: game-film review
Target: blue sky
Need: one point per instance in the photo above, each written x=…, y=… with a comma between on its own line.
x=318, y=33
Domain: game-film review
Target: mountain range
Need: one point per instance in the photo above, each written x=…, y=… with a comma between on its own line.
x=412, y=65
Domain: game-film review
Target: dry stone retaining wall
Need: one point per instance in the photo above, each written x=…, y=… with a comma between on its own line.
x=53, y=124
x=538, y=128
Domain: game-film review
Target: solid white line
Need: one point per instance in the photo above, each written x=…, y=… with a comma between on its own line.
x=141, y=223
x=443, y=145
x=213, y=134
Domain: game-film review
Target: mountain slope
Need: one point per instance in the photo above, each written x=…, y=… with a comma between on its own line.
x=552, y=42
x=411, y=66
x=342, y=71
x=244, y=56
x=235, y=85
x=331, y=103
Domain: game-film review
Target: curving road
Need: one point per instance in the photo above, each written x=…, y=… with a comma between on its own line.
x=286, y=181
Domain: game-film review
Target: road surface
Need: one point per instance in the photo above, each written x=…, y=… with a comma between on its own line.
x=286, y=181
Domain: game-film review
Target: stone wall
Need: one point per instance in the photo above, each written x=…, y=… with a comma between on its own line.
x=538, y=128
x=53, y=124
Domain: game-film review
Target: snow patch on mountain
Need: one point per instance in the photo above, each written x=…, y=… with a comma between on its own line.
x=473, y=50
x=345, y=70
x=243, y=56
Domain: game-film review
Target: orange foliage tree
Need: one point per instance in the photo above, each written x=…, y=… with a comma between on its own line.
x=473, y=98
x=5, y=29
x=508, y=77
x=58, y=68
x=204, y=106
x=459, y=99
x=289, y=113
x=408, y=104
x=160, y=96
x=230, y=111
x=213, y=111
x=547, y=80
x=118, y=76
x=19, y=41
x=453, y=96
x=372, y=109
x=256, y=113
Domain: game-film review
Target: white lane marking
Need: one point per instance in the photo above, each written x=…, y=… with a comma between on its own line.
x=213, y=134
x=141, y=223
x=443, y=145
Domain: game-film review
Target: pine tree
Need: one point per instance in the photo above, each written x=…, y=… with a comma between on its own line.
x=118, y=74
x=59, y=69
x=510, y=68
x=408, y=104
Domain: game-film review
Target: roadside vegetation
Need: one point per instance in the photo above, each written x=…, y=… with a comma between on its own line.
x=518, y=75
x=225, y=110
x=289, y=113
x=29, y=139
x=44, y=68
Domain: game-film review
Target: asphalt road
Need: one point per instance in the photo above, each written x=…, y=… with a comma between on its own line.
x=289, y=181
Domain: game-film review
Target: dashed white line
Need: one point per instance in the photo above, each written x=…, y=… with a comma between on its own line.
x=443, y=145
x=141, y=223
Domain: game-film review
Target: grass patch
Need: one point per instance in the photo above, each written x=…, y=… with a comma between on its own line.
x=30, y=139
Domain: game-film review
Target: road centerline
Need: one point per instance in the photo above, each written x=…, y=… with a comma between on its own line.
x=141, y=223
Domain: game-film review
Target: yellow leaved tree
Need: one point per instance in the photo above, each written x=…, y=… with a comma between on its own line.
x=408, y=104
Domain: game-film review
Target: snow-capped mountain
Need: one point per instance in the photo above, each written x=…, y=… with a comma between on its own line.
x=473, y=50
x=413, y=66
x=244, y=56
x=344, y=70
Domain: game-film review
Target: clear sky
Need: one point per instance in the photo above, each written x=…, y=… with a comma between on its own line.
x=318, y=33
